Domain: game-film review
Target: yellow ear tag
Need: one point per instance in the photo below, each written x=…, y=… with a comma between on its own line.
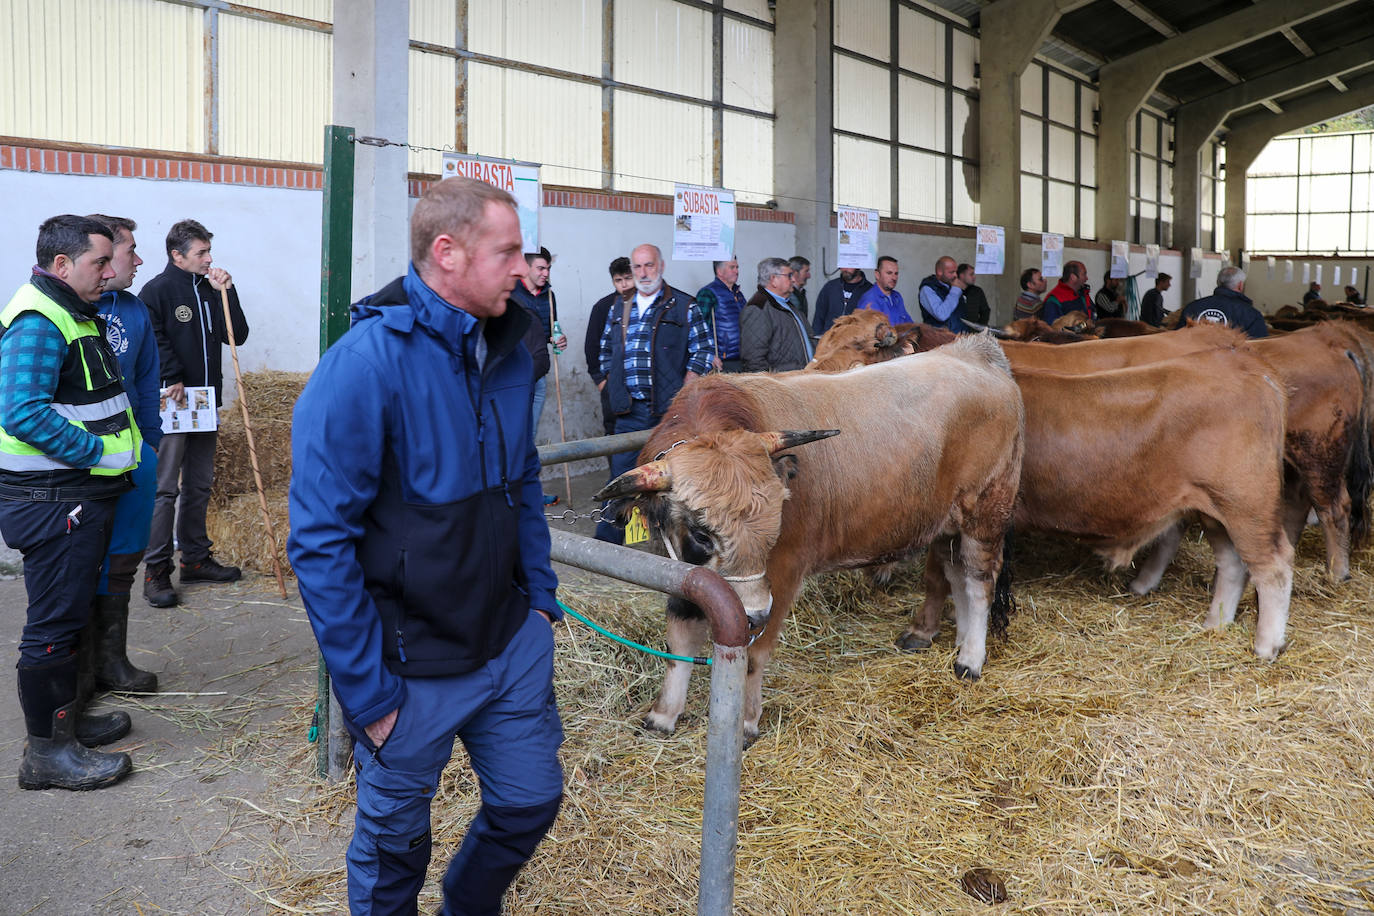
x=636, y=529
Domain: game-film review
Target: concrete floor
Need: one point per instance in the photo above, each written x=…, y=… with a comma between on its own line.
x=188, y=832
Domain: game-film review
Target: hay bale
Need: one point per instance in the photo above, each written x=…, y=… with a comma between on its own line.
x=240, y=537
x=271, y=398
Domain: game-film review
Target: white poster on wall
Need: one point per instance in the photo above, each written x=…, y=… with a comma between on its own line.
x=1121, y=259
x=1355, y=277
x=990, y=256
x=1318, y=277
x=1195, y=264
x=1152, y=261
x=1336, y=275
x=703, y=223
x=1306, y=272
x=1272, y=263
x=1287, y=271
x=857, y=242
x=1051, y=254
x=518, y=179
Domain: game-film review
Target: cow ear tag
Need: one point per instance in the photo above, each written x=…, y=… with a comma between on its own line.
x=637, y=528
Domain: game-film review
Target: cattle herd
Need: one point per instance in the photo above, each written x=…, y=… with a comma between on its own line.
x=927, y=440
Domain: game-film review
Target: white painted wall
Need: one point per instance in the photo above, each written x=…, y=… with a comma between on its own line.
x=1270, y=294
x=267, y=238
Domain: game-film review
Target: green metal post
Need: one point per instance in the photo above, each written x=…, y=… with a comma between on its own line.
x=336, y=281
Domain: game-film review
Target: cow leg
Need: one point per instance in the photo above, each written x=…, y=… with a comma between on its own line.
x=784, y=585
x=1228, y=584
x=1269, y=556
x=687, y=633
x=925, y=624
x=1334, y=517
x=976, y=571
x=1162, y=553
x=1274, y=585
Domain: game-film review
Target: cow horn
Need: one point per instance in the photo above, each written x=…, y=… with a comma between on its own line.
x=790, y=438
x=995, y=332
x=647, y=478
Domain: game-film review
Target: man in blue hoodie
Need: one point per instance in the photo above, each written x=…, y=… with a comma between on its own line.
x=419, y=541
x=130, y=333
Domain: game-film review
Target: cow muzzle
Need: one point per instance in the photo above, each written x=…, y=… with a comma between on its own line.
x=756, y=596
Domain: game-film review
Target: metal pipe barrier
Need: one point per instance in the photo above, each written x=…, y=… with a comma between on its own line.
x=560, y=452
x=730, y=663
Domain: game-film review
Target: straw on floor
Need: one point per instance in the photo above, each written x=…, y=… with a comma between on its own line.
x=1115, y=757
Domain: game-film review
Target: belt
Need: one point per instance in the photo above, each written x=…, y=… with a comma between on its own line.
x=65, y=494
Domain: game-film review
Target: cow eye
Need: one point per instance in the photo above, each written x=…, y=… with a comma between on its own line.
x=701, y=539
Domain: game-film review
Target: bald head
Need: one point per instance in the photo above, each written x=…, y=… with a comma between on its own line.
x=646, y=261
x=946, y=269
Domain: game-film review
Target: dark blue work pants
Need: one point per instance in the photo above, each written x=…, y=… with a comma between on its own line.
x=63, y=549
x=507, y=718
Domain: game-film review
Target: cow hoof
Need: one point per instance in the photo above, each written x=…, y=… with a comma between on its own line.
x=911, y=642
x=1270, y=655
x=750, y=738
x=1141, y=589
x=965, y=673
x=654, y=727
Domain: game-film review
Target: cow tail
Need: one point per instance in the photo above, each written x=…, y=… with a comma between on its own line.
x=1359, y=468
x=1003, y=601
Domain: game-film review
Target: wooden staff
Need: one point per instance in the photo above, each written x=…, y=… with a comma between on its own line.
x=558, y=396
x=252, y=449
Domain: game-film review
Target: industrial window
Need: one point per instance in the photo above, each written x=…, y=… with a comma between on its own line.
x=1152, y=179
x=1212, y=190
x=905, y=112
x=1058, y=152
x=1312, y=194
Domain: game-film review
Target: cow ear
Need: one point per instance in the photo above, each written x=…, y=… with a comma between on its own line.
x=647, y=478
x=785, y=466
x=790, y=438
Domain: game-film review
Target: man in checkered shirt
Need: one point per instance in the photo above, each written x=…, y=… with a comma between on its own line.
x=651, y=346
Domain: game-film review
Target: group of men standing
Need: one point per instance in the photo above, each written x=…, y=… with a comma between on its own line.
x=88, y=480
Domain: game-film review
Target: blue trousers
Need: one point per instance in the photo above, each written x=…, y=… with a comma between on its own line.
x=507, y=718
x=133, y=517
x=62, y=556
x=541, y=387
x=639, y=417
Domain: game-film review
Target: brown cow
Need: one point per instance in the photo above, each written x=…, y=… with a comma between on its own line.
x=1116, y=458
x=942, y=429
x=1326, y=374
x=860, y=338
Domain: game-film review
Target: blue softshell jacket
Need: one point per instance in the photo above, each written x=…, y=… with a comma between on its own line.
x=129, y=330
x=417, y=518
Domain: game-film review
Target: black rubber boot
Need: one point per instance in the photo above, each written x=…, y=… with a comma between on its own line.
x=94, y=729
x=53, y=758
x=113, y=670
x=157, y=586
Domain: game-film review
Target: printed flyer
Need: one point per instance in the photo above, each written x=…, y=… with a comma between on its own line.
x=703, y=223
x=197, y=415
x=857, y=232
x=518, y=179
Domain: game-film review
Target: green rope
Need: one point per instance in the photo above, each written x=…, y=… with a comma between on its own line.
x=696, y=660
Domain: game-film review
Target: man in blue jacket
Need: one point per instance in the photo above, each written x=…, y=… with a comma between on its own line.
x=1228, y=305
x=130, y=333
x=419, y=541
x=722, y=301
x=942, y=297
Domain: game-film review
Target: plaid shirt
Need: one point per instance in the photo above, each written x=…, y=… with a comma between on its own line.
x=639, y=357
x=31, y=355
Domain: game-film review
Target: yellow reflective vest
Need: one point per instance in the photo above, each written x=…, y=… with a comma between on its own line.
x=89, y=393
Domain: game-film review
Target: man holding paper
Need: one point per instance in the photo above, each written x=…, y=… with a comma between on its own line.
x=188, y=321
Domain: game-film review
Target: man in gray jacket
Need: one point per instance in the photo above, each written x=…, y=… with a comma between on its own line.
x=773, y=337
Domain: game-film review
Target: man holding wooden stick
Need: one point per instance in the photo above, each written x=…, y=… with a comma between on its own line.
x=419, y=542
x=188, y=322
